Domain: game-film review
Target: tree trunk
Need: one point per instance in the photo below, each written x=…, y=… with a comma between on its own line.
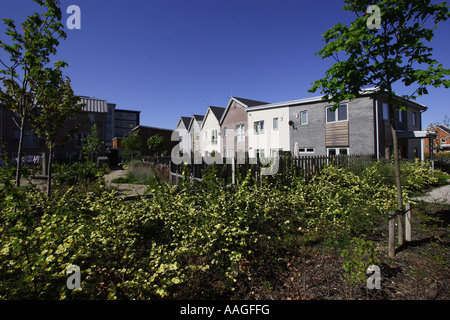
x=49, y=172
x=19, y=153
x=398, y=182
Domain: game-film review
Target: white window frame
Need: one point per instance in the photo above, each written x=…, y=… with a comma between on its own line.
x=240, y=133
x=277, y=122
x=304, y=150
x=258, y=126
x=214, y=137
x=338, y=150
x=304, y=112
x=336, y=114
x=259, y=152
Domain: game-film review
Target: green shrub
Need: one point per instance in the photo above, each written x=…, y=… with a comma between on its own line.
x=78, y=172
x=190, y=241
x=358, y=256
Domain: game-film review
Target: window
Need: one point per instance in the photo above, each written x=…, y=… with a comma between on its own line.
x=91, y=117
x=304, y=117
x=259, y=153
x=400, y=116
x=259, y=127
x=337, y=151
x=30, y=139
x=340, y=114
x=224, y=132
x=214, y=136
x=275, y=123
x=228, y=153
x=240, y=133
x=414, y=119
x=275, y=153
x=80, y=139
x=385, y=111
x=197, y=136
x=306, y=150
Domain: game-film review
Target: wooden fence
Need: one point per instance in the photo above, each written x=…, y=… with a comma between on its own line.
x=284, y=166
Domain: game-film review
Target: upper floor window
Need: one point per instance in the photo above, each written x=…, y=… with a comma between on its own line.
x=401, y=116
x=259, y=127
x=414, y=119
x=275, y=123
x=304, y=117
x=240, y=133
x=340, y=114
x=385, y=111
x=214, y=136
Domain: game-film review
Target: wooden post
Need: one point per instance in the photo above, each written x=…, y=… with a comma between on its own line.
x=391, y=234
x=408, y=222
x=400, y=227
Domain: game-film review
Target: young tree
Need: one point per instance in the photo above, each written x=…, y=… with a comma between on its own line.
x=156, y=144
x=132, y=142
x=56, y=106
x=385, y=46
x=28, y=68
x=92, y=145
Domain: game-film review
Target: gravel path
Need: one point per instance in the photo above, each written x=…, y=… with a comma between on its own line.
x=440, y=195
x=124, y=189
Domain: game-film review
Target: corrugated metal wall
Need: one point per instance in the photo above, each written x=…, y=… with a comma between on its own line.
x=94, y=105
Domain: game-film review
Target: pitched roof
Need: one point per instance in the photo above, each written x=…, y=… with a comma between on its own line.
x=444, y=128
x=217, y=111
x=250, y=103
x=197, y=118
x=185, y=120
x=247, y=103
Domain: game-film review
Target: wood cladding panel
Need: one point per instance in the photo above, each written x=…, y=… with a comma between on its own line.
x=336, y=134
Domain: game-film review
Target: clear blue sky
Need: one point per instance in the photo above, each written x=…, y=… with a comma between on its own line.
x=172, y=58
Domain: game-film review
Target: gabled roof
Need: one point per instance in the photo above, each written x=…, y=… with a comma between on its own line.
x=246, y=103
x=250, y=103
x=444, y=128
x=185, y=120
x=216, y=111
x=197, y=118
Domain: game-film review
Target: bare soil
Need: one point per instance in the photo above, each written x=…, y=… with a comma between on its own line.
x=124, y=189
x=419, y=270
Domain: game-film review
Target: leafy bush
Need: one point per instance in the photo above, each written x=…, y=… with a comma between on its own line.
x=358, y=256
x=78, y=172
x=196, y=240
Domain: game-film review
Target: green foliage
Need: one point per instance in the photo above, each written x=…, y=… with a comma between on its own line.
x=196, y=240
x=78, y=172
x=156, y=143
x=92, y=145
x=358, y=256
x=132, y=142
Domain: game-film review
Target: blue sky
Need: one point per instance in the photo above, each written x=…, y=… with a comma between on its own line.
x=172, y=58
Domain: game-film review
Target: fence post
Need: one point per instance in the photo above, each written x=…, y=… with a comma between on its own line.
x=408, y=222
x=392, y=234
x=400, y=227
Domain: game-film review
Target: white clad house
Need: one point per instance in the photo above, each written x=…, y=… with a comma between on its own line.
x=183, y=134
x=211, y=137
x=268, y=130
x=195, y=130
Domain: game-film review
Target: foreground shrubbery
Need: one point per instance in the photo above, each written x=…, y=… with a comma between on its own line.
x=189, y=241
